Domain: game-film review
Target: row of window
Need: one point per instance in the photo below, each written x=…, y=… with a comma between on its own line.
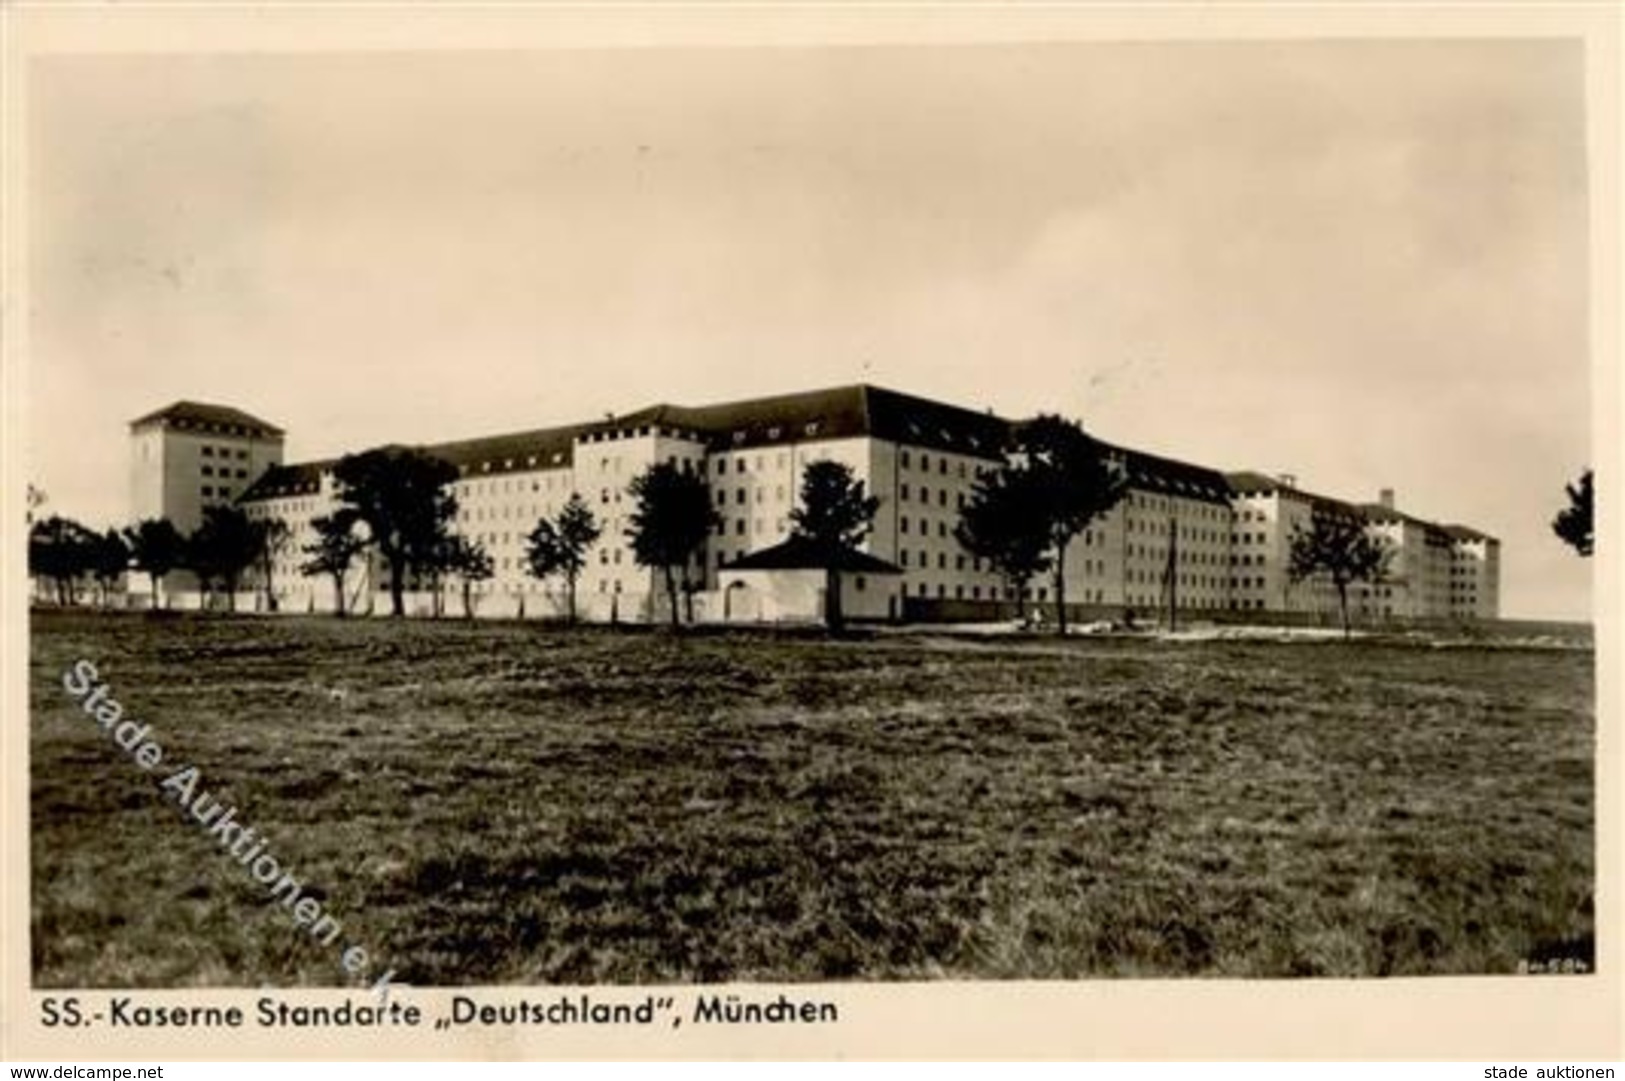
x=740, y=463
x=905, y=459
x=226, y=472
x=208, y=450
x=741, y=496
x=925, y=496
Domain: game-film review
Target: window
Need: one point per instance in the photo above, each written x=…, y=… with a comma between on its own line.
x=942, y=466
x=208, y=451
x=905, y=466
x=925, y=462
x=207, y=491
x=859, y=584
x=902, y=557
x=942, y=497
x=739, y=496
x=739, y=527
x=208, y=471
x=942, y=529
x=942, y=561
x=902, y=524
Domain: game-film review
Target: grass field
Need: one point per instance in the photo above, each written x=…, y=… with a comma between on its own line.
x=521, y=804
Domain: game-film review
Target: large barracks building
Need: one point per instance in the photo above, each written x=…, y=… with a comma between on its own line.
x=1209, y=542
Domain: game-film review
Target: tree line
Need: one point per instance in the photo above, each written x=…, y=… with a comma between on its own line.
x=1021, y=517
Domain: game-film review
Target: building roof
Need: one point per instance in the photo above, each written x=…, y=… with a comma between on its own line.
x=539, y=448
x=1466, y=533
x=1251, y=482
x=1169, y=476
x=280, y=481
x=1384, y=515
x=202, y=416
x=801, y=554
x=842, y=412
x=1248, y=482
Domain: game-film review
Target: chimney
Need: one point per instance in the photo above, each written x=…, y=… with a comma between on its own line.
x=1288, y=480
x=1386, y=498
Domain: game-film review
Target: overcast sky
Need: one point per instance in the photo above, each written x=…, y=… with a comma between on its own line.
x=1363, y=263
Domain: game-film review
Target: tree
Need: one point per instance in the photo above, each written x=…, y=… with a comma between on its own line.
x=61, y=551
x=402, y=497
x=271, y=537
x=1071, y=483
x=222, y=548
x=1340, y=549
x=157, y=548
x=561, y=548
x=834, y=515
x=336, y=545
x=109, y=559
x=672, y=519
x=470, y=562
x=440, y=562
x=36, y=499
x=1573, y=523
x=1003, y=523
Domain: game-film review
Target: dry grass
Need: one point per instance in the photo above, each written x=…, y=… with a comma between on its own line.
x=519, y=804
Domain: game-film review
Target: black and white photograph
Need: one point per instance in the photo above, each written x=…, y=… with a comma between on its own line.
x=766, y=518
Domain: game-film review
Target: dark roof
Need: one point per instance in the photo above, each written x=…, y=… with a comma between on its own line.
x=832, y=413
x=304, y=478
x=1465, y=533
x=1169, y=476
x=540, y=448
x=1249, y=482
x=202, y=416
x=1376, y=512
x=801, y=554
x=857, y=409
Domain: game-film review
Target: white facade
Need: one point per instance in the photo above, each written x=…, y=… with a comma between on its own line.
x=1211, y=542
x=191, y=456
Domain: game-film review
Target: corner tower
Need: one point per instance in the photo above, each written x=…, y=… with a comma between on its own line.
x=191, y=455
